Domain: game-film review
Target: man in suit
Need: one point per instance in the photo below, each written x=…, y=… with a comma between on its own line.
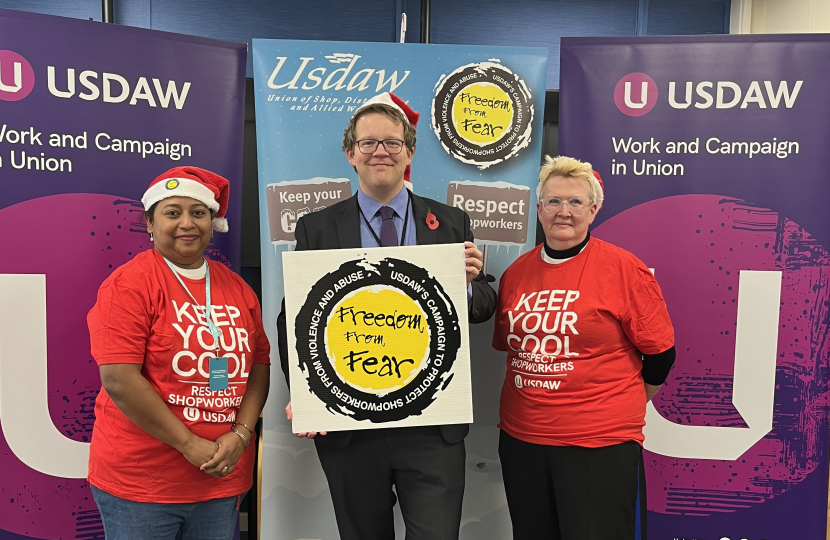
x=424, y=464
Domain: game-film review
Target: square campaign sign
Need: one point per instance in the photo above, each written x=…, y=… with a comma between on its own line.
x=378, y=337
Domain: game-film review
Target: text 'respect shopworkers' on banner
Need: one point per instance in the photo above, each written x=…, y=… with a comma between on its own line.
x=89, y=115
x=713, y=151
x=478, y=148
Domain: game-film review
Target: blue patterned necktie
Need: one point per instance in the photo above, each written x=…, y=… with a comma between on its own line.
x=388, y=231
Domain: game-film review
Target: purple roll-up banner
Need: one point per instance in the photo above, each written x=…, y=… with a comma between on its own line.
x=714, y=155
x=90, y=113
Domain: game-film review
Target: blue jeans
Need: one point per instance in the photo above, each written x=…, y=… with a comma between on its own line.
x=129, y=520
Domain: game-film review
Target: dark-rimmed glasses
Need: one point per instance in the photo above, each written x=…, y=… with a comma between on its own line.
x=370, y=146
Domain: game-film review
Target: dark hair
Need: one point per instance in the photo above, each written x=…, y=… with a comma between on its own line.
x=148, y=214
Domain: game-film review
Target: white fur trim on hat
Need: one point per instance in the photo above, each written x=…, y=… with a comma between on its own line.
x=383, y=99
x=220, y=224
x=179, y=187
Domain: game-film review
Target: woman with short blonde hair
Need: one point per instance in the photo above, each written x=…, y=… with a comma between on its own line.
x=589, y=342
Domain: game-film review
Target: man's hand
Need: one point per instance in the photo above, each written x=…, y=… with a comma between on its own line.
x=472, y=261
x=310, y=434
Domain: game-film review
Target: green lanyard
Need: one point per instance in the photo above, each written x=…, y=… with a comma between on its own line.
x=214, y=331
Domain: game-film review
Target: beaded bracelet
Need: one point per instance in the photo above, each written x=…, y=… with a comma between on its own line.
x=241, y=436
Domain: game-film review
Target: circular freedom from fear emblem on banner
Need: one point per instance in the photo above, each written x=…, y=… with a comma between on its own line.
x=482, y=114
x=377, y=341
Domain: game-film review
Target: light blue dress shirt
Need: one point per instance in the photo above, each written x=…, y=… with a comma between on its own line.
x=371, y=209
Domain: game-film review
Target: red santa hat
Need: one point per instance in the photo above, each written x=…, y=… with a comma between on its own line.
x=206, y=187
x=598, y=189
x=390, y=99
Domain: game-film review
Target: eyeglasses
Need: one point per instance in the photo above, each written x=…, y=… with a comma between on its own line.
x=370, y=146
x=553, y=204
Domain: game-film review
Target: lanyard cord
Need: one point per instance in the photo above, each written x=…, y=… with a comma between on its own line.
x=214, y=331
x=405, y=219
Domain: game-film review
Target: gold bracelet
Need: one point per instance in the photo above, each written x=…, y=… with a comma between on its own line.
x=241, y=436
x=251, y=431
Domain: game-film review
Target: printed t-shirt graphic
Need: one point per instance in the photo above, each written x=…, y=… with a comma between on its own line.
x=144, y=316
x=572, y=331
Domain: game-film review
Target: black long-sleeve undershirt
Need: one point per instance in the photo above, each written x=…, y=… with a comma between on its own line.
x=656, y=367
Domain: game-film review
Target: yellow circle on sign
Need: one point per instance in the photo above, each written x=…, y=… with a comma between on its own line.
x=482, y=113
x=377, y=339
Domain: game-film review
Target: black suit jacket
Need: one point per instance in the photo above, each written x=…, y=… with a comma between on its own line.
x=338, y=227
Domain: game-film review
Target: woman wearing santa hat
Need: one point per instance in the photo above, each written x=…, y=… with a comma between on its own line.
x=589, y=342
x=184, y=364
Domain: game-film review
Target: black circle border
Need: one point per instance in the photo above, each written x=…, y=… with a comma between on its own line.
x=445, y=310
x=443, y=91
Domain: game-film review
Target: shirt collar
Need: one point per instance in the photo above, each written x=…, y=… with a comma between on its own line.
x=370, y=207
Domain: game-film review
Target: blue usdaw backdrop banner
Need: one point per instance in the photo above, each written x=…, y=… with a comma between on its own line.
x=306, y=91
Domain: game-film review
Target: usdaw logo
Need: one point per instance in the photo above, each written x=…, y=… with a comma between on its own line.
x=17, y=78
x=635, y=94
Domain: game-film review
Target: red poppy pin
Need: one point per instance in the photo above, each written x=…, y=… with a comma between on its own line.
x=432, y=221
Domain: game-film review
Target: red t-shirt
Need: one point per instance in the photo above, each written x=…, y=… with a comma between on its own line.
x=572, y=331
x=144, y=316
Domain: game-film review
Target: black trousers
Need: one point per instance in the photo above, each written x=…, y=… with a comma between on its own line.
x=571, y=492
x=427, y=472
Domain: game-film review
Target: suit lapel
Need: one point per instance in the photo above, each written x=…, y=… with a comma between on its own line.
x=348, y=225
x=424, y=235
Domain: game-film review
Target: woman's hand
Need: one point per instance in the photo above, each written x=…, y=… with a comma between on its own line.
x=199, y=451
x=305, y=435
x=230, y=450
x=140, y=402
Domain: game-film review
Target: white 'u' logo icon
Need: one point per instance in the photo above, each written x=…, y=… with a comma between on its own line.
x=643, y=95
x=18, y=79
x=753, y=394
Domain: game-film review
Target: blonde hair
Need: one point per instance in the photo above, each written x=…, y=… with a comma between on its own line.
x=569, y=167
